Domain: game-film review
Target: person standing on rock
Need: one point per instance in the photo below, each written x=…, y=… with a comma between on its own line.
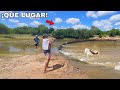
x=46, y=46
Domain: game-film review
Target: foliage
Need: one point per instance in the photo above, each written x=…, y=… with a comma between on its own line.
x=113, y=32
x=59, y=33
x=4, y=29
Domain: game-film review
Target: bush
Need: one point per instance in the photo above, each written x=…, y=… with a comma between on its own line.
x=100, y=36
x=8, y=36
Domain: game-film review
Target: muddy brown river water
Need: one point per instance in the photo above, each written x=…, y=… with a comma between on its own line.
x=104, y=65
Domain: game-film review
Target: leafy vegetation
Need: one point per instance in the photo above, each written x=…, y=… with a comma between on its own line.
x=59, y=33
x=4, y=29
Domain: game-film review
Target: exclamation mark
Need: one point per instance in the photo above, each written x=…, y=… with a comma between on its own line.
x=46, y=14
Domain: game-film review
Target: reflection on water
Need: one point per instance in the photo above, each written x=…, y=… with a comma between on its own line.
x=13, y=49
x=24, y=46
x=10, y=47
x=108, y=53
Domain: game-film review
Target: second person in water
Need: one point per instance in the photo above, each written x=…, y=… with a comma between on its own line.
x=36, y=40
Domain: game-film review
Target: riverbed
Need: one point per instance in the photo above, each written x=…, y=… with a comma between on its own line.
x=105, y=65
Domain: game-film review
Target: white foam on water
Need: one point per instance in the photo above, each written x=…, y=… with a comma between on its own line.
x=117, y=67
x=65, y=53
x=97, y=63
x=83, y=59
x=13, y=49
x=114, y=65
x=107, y=64
x=68, y=53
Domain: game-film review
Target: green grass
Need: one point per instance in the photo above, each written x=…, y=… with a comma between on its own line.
x=14, y=37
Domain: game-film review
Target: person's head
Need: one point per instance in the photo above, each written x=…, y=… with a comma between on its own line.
x=36, y=35
x=45, y=36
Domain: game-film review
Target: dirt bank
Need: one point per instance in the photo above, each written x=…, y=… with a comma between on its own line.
x=117, y=38
x=32, y=66
x=92, y=39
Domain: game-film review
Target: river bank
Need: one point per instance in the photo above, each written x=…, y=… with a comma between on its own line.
x=91, y=39
x=32, y=66
x=117, y=38
x=105, y=63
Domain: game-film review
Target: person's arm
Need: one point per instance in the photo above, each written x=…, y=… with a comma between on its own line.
x=34, y=41
x=50, y=41
x=38, y=39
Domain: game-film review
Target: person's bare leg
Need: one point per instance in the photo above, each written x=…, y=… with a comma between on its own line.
x=46, y=65
x=48, y=60
x=36, y=47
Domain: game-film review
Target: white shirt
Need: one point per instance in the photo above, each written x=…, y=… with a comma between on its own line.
x=45, y=44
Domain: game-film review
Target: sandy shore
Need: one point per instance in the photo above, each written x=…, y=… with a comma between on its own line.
x=117, y=38
x=32, y=66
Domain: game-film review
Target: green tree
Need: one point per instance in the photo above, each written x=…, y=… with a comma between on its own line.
x=59, y=34
x=95, y=31
x=51, y=30
x=42, y=29
x=4, y=29
x=85, y=34
x=113, y=32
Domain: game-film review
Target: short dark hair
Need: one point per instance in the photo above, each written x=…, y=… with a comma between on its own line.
x=45, y=36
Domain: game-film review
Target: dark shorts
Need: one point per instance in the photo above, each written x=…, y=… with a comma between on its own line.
x=47, y=51
x=36, y=44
